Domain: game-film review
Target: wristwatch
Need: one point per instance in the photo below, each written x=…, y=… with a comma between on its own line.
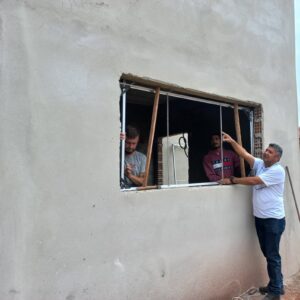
x=231, y=179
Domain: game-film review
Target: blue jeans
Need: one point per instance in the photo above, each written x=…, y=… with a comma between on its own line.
x=269, y=232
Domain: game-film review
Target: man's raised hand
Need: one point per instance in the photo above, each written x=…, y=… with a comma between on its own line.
x=226, y=137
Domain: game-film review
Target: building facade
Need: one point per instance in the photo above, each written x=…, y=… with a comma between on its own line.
x=67, y=229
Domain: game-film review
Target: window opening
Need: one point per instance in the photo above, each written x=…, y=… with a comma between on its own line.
x=180, y=116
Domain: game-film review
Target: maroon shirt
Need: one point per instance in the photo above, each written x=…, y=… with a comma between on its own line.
x=213, y=166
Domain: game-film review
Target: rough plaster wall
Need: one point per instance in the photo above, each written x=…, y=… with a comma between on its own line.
x=66, y=230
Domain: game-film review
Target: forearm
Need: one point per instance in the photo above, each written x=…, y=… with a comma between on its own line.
x=242, y=153
x=239, y=149
x=252, y=180
x=137, y=180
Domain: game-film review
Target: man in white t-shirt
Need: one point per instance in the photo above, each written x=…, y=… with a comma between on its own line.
x=268, y=208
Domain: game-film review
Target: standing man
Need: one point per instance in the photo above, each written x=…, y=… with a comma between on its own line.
x=212, y=162
x=135, y=161
x=268, y=208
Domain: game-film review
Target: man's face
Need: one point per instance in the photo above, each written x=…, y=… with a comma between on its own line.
x=131, y=144
x=270, y=156
x=215, y=141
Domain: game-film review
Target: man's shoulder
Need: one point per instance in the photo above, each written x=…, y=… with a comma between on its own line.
x=274, y=170
x=258, y=159
x=278, y=167
x=258, y=164
x=208, y=155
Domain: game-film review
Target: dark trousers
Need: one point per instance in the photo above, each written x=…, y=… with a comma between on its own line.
x=269, y=232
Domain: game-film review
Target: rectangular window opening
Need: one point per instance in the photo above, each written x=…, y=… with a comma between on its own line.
x=182, y=128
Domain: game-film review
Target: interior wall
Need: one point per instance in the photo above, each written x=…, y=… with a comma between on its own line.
x=67, y=230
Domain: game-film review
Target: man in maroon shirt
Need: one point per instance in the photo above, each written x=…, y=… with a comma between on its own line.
x=212, y=161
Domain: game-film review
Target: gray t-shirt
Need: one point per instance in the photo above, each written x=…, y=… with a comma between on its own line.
x=137, y=160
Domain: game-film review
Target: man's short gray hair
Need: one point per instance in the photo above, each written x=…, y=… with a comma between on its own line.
x=277, y=148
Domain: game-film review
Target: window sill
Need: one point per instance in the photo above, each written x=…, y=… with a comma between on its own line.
x=171, y=186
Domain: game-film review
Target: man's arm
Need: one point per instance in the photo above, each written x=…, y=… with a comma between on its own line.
x=239, y=149
x=252, y=180
x=136, y=179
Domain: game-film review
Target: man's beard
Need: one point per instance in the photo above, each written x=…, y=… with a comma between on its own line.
x=130, y=151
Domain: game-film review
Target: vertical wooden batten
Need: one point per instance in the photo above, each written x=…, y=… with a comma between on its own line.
x=151, y=136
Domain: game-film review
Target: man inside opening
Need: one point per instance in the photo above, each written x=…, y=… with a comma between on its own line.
x=135, y=161
x=212, y=162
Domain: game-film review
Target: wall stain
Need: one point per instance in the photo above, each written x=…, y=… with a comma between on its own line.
x=14, y=291
x=70, y=297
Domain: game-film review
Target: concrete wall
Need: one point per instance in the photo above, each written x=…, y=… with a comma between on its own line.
x=67, y=232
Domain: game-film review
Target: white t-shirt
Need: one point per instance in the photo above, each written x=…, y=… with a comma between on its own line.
x=268, y=197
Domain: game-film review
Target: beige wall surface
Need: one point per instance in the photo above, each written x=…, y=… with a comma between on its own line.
x=67, y=232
